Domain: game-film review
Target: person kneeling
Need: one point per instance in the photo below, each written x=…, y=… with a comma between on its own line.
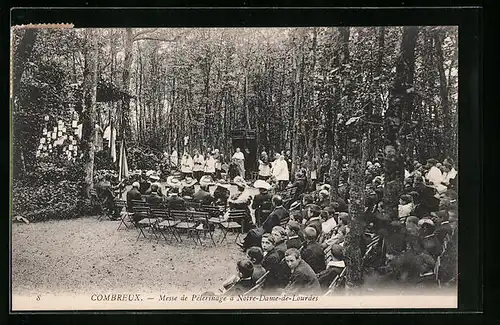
x=303, y=280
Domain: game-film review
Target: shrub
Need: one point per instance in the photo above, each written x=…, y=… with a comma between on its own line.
x=52, y=191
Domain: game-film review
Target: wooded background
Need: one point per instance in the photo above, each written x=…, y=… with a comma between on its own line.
x=297, y=87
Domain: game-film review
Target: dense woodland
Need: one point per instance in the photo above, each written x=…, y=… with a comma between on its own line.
x=345, y=91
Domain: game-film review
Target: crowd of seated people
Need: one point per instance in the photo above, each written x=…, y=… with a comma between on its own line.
x=303, y=250
x=300, y=248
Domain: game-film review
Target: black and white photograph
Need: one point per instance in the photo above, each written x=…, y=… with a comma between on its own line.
x=181, y=168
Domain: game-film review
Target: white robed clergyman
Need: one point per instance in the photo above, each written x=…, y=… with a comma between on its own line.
x=239, y=159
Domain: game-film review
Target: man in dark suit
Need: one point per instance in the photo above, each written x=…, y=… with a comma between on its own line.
x=203, y=196
x=279, y=215
x=312, y=253
x=314, y=218
x=174, y=201
x=154, y=199
x=245, y=281
x=262, y=202
x=443, y=229
x=254, y=236
x=293, y=241
x=133, y=194
x=303, y=280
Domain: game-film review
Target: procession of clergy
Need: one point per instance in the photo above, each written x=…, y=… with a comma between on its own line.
x=295, y=245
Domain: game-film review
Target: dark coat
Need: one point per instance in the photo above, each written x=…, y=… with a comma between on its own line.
x=240, y=287
x=313, y=254
x=303, y=280
x=278, y=215
x=175, y=202
x=316, y=224
x=144, y=186
x=272, y=263
x=133, y=194
x=203, y=197
x=155, y=200
x=260, y=199
x=281, y=248
x=294, y=243
x=443, y=230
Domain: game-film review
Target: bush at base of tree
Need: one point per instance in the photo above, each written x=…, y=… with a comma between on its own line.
x=53, y=191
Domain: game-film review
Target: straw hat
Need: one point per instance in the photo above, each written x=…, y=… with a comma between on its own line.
x=239, y=181
x=154, y=177
x=223, y=183
x=173, y=182
x=206, y=181
x=423, y=221
x=188, y=182
x=262, y=184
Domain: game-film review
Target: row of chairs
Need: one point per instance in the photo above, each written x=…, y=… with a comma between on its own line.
x=197, y=219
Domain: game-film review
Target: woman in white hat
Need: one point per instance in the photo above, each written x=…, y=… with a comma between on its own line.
x=187, y=185
x=241, y=201
x=262, y=202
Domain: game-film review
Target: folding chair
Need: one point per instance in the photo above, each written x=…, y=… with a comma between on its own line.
x=336, y=282
x=214, y=214
x=193, y=206
x=258, y=284
x=185, y=223
x=142, y=211
x=203, y=225
x=139, y=203
x=121, y=207
x=157, y=216
x=95, y=200
x=232, y=223
x=168, y=226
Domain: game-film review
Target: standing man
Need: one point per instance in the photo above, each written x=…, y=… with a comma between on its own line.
x=186, y=165
x=199, y=165
x=239, y=160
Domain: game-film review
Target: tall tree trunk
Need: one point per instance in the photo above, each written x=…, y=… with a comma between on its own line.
x=439, y=37
x=296, y=111
x=23, y=53
x=336, y=132
x=395, y=121
x=88, y=112
x=126, y=128
x=354, y=238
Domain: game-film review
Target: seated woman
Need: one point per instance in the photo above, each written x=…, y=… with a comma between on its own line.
x=241, y=201
x=188, y=187
x=272, y=263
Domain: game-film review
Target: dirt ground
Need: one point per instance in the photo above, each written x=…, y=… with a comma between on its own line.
x=85, y=255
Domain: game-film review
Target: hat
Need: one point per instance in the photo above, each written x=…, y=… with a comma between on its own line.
x=173, y=182
x=188, y=181
x=149, y=173
x=206, y=181
x=154, y=177
x=136, y=184
x=294, y=226
x=239, y=181
x=325, y=187
x=423, y=221
x=324, y=192
x=223, y=183
x=262, y=184
x=337, y=252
